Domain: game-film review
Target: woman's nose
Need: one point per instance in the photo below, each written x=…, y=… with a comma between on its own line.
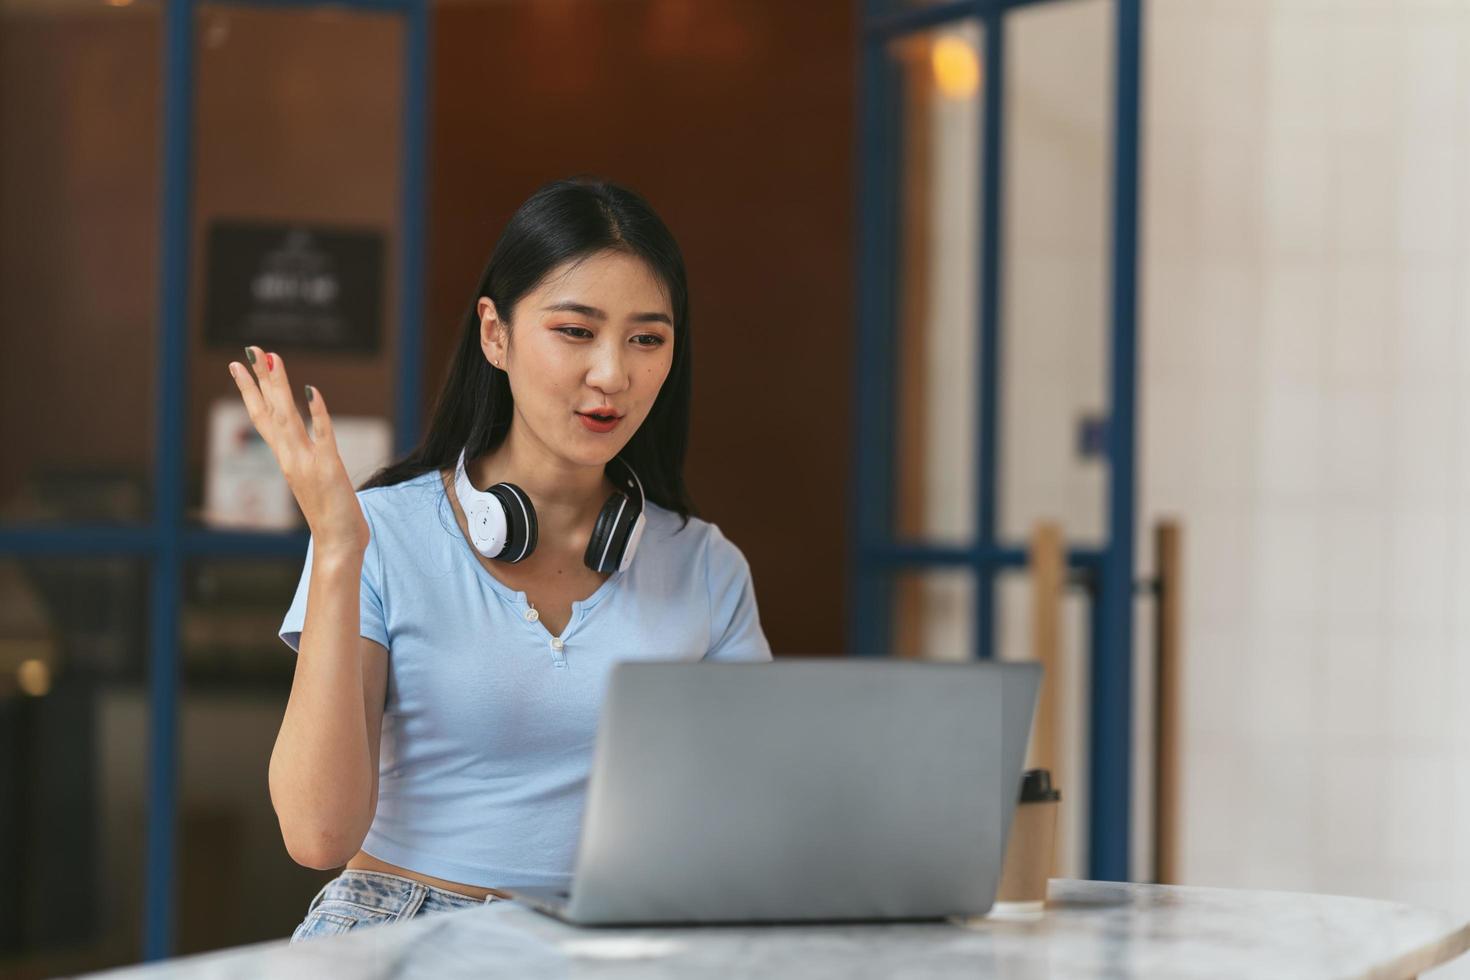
x=608, y=373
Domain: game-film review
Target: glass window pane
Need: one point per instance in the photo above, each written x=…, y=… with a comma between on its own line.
x=236, y=882
x=296, y=217
x=80, y=112
x=934, y=615
x=1056, y=299
x=937, y=333
x=73, y=763
x=299, y=128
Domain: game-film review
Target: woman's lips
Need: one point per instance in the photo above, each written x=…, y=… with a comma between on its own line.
x=598, y=425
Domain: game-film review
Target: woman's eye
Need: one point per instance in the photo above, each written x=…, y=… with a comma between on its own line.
x=582, y=333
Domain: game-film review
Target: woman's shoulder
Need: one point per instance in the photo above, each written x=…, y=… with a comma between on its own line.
x=399, y=504
x=698, y=538
x=413, y=490
x=666, y=524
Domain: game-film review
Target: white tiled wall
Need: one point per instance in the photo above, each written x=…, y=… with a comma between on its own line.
x=1306, y=345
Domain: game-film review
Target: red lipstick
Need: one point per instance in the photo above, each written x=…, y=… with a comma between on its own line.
x=604, y=424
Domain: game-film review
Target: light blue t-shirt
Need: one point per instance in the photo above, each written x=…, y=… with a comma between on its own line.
x=489, y=720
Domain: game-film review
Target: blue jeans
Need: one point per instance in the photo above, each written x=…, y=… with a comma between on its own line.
x=359, y=899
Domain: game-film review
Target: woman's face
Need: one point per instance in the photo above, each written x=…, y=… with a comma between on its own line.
x=595, y=337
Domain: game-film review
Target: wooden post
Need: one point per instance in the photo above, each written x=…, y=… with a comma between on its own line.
x=1168, y=698
x=1048, y=562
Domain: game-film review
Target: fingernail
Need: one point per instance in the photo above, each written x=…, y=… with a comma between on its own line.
x=309, y=393
x=269, y=363
x=250, y=354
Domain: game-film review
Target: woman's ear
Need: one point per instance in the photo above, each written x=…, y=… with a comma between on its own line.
x=492, y=332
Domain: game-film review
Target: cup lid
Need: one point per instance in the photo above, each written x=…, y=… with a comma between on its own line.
x=1036, y=787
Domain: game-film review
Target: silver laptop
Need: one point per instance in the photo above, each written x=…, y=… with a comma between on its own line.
x=801, y=790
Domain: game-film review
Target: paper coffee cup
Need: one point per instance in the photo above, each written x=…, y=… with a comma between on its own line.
x=1029, y=850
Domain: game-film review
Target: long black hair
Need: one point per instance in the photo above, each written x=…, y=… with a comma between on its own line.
x=563, y=221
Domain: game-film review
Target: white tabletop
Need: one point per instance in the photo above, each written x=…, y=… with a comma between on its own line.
x=1090, y=929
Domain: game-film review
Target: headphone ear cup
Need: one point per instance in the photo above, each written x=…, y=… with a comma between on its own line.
x=486, y=520
x=520, y=522
x=609, y=535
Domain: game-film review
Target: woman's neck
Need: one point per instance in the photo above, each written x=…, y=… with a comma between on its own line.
x=567, y=496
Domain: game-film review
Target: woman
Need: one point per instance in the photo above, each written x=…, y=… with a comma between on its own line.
x=457, y=616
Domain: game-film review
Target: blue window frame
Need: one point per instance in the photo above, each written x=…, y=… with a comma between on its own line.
x=875, y=556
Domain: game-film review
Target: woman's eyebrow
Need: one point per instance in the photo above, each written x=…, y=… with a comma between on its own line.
x=567, y=306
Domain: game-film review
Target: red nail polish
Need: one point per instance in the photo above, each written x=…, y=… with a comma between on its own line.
x=269, y=363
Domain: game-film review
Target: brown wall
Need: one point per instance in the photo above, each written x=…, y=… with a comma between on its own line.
x=78, y=223
x=735, y=119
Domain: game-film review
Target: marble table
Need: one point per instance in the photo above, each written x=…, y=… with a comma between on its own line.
x=1089, y=929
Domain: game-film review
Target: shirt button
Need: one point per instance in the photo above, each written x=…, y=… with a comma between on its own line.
x=557, y=644
x=532, y=615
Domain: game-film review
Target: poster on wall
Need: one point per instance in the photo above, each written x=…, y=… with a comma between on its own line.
x=243, y=484
x=293, y=287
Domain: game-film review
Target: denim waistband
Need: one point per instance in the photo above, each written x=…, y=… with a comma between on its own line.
x=396, y=882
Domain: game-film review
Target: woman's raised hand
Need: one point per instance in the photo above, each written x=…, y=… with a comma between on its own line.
x=311, y=464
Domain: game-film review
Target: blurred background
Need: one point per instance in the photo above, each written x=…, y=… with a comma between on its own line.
x=1128, y=336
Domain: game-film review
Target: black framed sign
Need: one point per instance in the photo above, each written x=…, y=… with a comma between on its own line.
x=293, y=286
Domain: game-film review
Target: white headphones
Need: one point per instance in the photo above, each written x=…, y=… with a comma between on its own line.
x=502, y=519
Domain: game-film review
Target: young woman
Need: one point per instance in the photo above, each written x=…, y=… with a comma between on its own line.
x=457, y=616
